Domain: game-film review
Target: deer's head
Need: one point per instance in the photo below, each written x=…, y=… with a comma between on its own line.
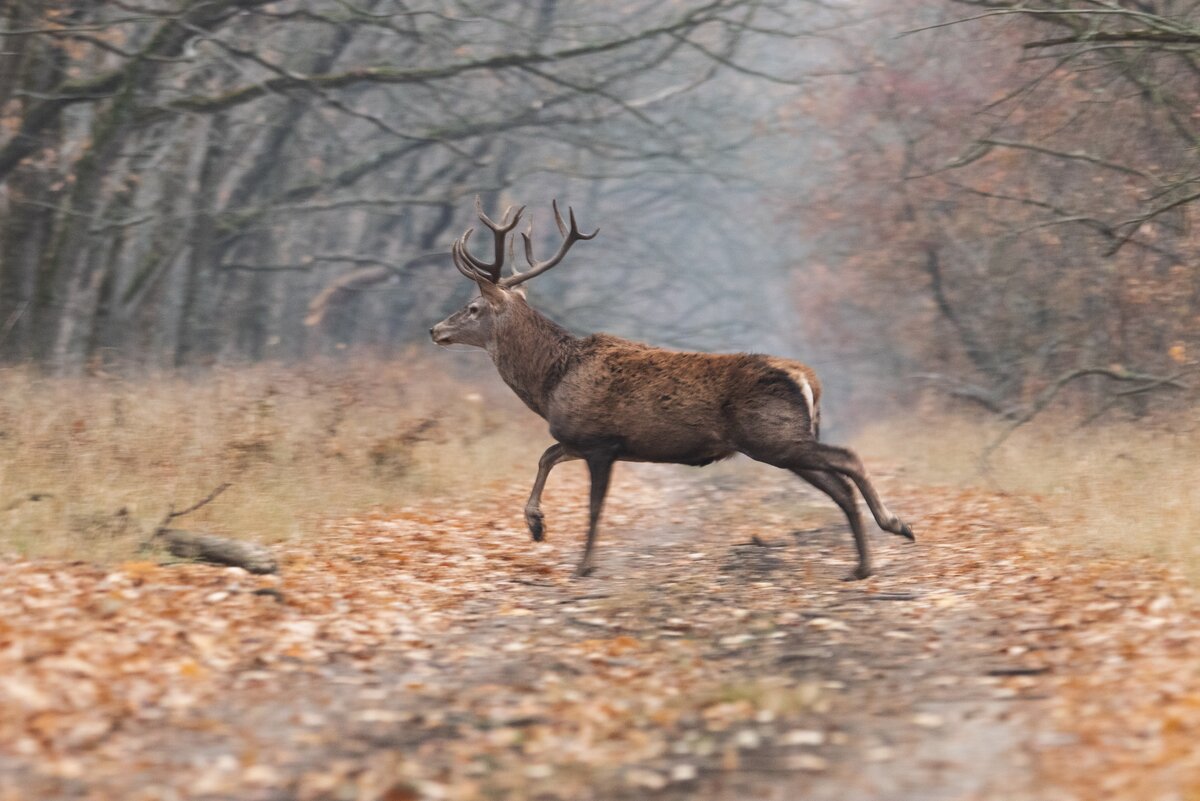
x=478, y=322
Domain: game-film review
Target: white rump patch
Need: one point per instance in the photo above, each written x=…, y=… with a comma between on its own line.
x=805, y=389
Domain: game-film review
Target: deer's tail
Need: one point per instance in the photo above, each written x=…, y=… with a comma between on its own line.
x=805, y=381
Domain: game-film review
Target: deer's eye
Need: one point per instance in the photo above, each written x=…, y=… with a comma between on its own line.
x=473, y=310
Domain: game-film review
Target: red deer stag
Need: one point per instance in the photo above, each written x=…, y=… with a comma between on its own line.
x=608, y=399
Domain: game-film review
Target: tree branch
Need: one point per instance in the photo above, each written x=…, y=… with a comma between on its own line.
x=1148, y=382
x=393, y=76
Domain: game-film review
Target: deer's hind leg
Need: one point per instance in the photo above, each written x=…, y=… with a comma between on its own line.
x=841, y=491
x=778, y=431
x=846, y=462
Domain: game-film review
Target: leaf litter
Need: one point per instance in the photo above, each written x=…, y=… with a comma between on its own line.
x=422, y=652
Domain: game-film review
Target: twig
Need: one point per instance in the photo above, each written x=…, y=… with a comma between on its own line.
x=532, y=583
x=12, y=320
x=758, y=542
x=1077, y=155
x=592, y=596
x=172, y=514
x=33, y=497
x=1018, y=671
x=892, y=596
x=1049, y=393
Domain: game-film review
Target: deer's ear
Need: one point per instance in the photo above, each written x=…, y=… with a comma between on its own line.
x=519, y=289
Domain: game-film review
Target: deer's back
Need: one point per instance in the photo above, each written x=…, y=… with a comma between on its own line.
x=659, y=405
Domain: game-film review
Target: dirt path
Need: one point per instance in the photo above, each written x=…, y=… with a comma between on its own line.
x=434, y=654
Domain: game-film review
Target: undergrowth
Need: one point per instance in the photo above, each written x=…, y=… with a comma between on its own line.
x=90, y=465
x=1120, y=486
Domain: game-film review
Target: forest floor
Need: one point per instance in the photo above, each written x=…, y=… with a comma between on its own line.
x=435, y=652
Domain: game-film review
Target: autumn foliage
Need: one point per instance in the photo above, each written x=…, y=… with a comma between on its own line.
x=989, y=218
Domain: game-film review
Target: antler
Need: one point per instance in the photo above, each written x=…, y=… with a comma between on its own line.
x=474, y=268
x=538, y=267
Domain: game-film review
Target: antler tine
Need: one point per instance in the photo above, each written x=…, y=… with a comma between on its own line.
x=562, y=229
x=500, y=233
x=538, y=267
x=504, y=225
x=459, y=263
x=464, y=266
x=469, y=265
x=462, y=241
x=466, y=254
x=526, y=234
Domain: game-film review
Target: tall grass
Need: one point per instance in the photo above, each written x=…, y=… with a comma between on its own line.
x=89, y=466
x=1125, y=486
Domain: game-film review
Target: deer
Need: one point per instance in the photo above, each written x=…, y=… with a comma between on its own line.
x=608, y=399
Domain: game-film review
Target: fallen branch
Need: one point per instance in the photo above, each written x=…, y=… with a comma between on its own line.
x=218, y=550
x=209, y=547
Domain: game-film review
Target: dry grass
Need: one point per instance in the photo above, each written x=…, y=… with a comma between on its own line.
x=1123, y=486
x=89, y=466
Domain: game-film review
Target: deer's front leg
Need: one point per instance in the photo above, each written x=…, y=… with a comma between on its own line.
x=555, y=454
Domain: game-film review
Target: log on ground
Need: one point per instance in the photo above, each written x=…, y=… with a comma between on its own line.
x=219, y=550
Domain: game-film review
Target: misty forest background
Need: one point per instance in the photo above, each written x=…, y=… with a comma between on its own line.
x=991, y=209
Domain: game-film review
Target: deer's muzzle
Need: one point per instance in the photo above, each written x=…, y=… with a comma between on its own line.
x=439, y=335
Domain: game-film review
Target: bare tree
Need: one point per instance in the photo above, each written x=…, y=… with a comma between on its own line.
x=180, y=179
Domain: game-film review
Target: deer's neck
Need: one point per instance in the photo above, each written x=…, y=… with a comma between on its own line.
x=532, y=352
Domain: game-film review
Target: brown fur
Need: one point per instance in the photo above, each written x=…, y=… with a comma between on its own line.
x=609, y=399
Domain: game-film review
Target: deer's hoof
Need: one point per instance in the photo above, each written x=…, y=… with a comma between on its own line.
x=537, y=528
x=584, y=570
x=861, y=572
x=907, y=532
